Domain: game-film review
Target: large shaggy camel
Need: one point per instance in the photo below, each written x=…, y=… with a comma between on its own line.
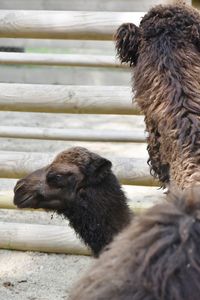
x=158, y=256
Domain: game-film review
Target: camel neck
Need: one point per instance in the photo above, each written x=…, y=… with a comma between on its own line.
x=99, y=213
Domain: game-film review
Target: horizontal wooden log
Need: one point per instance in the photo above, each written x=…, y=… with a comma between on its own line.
x=96, y=5
x=73, y=60
x=61, y=46
x=63, y=25
x=46, y=146
x=143, y=197
x=6, y=199
x=60, y=120
x=70, y=99
x=6, y=185
x=139, y=197
x=44, y=238
x=72, y=134
x=128, y=170
x=65, y=75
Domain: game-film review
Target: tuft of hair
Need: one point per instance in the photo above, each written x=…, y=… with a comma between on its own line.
x=156, y=258
x=127, y=42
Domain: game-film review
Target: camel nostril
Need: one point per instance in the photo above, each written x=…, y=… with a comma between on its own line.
x=18, y=185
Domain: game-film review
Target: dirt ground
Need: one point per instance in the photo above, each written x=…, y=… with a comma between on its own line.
x=33, y=275
x=39, y=276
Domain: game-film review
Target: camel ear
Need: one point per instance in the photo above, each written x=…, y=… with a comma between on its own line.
x=97, y=170
x=127, y=40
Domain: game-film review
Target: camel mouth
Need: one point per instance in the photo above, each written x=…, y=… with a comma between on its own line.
x=37, y=202
x=25, y=201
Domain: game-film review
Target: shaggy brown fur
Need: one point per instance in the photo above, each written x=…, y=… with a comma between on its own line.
x=80, y=185
x=156, y=258
x=164, y=52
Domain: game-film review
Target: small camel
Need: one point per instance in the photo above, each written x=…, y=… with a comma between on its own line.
x=81, y=186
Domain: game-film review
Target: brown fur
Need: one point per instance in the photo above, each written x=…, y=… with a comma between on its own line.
x=158, y=256
x=165, y=54
x=81, y=186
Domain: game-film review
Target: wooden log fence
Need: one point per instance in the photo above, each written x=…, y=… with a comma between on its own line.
x=45, y=238
x=63, y=25
x=62, y=239
x=67, y=99
x=46, y=146
x=72, y=60
x=53, y=238
x=63, y=120
x=73, y=134
x=111, y=5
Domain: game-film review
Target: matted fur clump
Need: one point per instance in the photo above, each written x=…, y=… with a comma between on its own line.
x=164, y=52
x=156, y=258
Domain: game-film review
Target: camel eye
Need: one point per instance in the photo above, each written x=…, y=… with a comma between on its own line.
x=54, y=179
x=59, y=180
x=58, y=176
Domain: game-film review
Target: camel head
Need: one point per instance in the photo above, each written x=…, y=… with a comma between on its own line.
x=56, y=186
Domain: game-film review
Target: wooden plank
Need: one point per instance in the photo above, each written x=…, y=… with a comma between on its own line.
x=71, y=46
x=128, y=170
x=68, y=121
x=96, y=5
x=139, y=197
x=6, y=199
x=63, y=25
x=44, y=238
x=71, y=99
x=73, y=60
x=7, y=184
x=31, y=216
x=46, y=146
x=143, y=197
x=72, y=134
x=65, y=75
